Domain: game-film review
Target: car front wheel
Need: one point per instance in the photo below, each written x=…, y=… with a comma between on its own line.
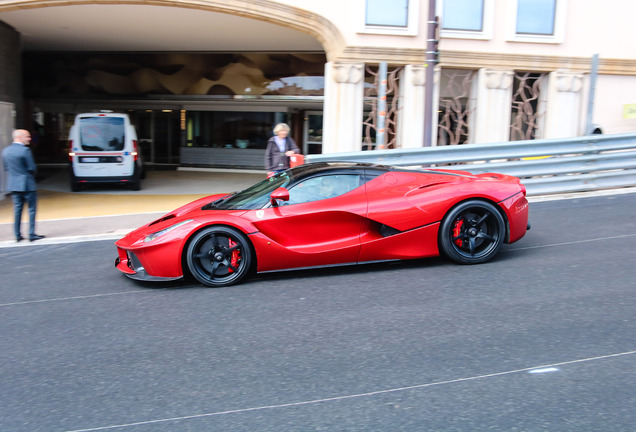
x=472, y=232
x=219, y=256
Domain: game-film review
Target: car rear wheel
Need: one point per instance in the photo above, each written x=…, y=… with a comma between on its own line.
x=472, y=232
x=219, y=256
x=135, y=180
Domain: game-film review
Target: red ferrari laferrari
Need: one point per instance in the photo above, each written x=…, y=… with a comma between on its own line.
x=326, y=214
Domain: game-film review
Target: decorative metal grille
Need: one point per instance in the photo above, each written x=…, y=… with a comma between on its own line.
x=526, y=110
x=371, y=88
x=454, y=110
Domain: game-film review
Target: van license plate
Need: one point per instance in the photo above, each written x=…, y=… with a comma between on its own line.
x=90, y=160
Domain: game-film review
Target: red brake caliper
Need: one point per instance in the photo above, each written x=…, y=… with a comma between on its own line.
x=234, y=259
x=457, y=230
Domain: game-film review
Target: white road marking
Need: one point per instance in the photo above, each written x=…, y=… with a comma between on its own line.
x=543, y=370
x=573, y=242
x=353, y=396
x=51, y=300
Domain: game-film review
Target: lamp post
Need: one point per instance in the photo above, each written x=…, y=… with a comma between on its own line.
x=431, y=61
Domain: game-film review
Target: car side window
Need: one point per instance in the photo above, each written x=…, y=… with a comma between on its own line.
x=323, y=187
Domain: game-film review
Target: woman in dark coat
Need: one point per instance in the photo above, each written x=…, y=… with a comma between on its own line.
x=279, y=148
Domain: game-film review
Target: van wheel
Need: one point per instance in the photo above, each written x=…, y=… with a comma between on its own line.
x=135, y=183
x=75, y=186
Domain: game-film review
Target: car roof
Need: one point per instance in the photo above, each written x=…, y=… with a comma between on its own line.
x=338, y=167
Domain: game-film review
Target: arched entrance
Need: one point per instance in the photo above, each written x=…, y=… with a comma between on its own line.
x=30, y=15
x=202, y=74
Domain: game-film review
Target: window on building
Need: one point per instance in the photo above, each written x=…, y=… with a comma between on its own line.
x=371, y=104
x=463, y=15
x=536, y=17
x=528, y=106
x=537, y=21
x=394, y=13
x=455, y=109
x=231, y=129
x=467, y=19
x=390, y=16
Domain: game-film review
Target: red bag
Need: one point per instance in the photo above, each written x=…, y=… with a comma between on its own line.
x=296, y=159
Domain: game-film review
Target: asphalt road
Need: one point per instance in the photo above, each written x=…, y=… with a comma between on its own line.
x=541, y=339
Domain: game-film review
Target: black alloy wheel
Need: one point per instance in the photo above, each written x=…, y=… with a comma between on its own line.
x=472, y=232
x=219, y=256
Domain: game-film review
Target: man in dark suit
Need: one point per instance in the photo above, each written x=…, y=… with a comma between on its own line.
x=18, y=161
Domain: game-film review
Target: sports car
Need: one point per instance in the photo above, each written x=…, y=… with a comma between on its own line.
x=328, y=214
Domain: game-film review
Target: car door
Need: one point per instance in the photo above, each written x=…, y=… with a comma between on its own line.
x=319, y=225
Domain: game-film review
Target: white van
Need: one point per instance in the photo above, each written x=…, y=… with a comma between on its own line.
x=103, y=148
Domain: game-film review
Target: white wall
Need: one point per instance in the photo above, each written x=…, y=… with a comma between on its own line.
x=612, y=93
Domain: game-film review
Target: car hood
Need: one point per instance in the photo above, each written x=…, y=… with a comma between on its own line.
x=191, y=211
x=195, y=205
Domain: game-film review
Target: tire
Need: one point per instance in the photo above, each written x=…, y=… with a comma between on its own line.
x=75, y=186
x=219, y=256
x=135, y=183
x=472, y=232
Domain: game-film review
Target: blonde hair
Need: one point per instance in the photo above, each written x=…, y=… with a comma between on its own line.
x=281, y=126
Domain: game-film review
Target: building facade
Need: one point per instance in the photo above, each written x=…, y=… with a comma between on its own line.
x=347, y=76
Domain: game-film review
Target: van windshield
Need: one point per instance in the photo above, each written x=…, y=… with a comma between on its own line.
x=102, y=133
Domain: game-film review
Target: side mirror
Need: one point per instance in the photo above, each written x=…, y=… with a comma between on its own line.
x=280, y=194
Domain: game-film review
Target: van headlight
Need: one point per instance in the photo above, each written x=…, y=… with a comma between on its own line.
x=156, y=235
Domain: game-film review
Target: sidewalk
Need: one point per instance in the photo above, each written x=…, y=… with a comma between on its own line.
x=111, y=211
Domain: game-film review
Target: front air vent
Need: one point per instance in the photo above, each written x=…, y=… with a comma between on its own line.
x=165, y=218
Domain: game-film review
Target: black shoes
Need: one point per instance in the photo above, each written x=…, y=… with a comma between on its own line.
x=31, y=238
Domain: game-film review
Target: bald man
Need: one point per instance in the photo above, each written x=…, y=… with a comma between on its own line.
x=18, y=162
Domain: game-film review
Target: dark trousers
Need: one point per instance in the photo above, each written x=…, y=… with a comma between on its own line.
x=19, y=199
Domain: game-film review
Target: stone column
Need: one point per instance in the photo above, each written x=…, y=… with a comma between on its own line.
x=491, y=120
x=563, y=111
x=10, y=92
x=343, y=108
x=11, y=75
x=7, y=124
x=410, y=122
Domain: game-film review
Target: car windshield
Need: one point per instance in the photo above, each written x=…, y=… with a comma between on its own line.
x=254, y=197
x=102, y=133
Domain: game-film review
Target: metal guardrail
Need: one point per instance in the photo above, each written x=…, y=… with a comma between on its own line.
x=544, y=166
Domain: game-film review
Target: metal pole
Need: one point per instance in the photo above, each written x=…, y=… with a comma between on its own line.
x=431, y=60
x=380, y=131
x=590, y=102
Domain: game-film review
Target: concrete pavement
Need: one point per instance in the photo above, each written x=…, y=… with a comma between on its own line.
x=111, y=211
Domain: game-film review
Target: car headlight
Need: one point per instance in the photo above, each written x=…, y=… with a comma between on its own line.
x=156, y=235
